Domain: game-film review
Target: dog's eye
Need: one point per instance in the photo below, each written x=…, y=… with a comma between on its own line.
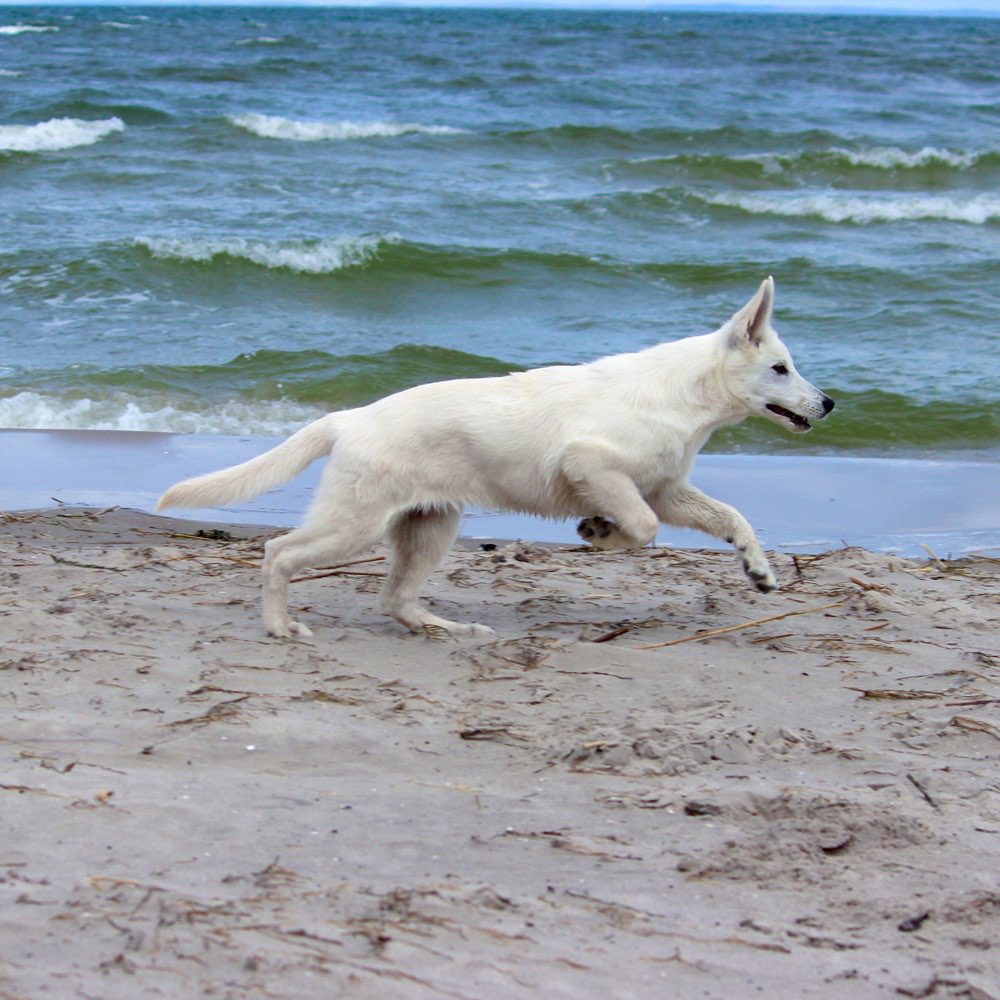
x=780, y=369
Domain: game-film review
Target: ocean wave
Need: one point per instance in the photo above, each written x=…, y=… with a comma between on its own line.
x=384, y=258
x=115, y=271
x=894, y=158
x=301, y=256
x=265, y=392
x=56, y=134
x=864, y=209
x=275, y=127
x=870, y=157
x=837, y=163
x=124, y=412
x=272, y=40
x=667, y=139
x=24, y=29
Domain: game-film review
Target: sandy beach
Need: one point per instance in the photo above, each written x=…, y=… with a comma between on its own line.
x=651, y=782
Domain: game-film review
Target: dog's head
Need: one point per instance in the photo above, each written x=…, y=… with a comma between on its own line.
x=759, y=371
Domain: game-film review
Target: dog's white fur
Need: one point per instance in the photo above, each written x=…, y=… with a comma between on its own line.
x=611, y=441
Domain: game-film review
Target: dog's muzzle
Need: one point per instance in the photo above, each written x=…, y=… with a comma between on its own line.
x=799, y=422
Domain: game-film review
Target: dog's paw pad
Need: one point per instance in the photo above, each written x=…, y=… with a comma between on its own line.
x=591, y=528
x=763, y=579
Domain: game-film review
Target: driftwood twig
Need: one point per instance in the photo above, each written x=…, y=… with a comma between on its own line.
x=710, y=633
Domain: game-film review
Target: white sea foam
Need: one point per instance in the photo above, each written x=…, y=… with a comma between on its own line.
x=24, y=29
x=834, y=158
x=126, y=413
x=274, y=127
x=57, y=133
x=864, y=209
x=304, y=256
x=893, y=158
x=872, y=158
x=261, y=40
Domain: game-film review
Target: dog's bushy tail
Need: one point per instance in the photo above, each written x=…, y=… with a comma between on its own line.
x=274, y=467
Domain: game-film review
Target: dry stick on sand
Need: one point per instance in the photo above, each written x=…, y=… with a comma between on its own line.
x=339, y=569
x=709, y=633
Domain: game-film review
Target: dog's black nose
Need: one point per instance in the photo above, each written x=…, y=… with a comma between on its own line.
x=828, y=404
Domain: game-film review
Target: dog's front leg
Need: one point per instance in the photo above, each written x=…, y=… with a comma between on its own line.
x=687, y=507
x=624, y=520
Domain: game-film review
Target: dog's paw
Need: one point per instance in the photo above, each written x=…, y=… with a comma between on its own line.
x=423, y=622
x=600, y=532
x=760, y=573
x=288, y=630
x=755, y=564
x=456, y=630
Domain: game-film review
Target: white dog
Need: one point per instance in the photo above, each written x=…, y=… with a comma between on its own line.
x=611, y=441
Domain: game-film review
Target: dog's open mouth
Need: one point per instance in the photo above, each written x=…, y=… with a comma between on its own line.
x=799, y=423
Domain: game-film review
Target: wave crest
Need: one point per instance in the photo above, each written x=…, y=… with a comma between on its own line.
x=24, y=29
x=55, y=134
x=301, y=256
x=893, y=158
x=124, y=412
x=835, y=161
x=275, y=127
x=862, y=209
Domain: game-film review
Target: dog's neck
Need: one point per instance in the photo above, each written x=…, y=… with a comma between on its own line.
x=682, y=375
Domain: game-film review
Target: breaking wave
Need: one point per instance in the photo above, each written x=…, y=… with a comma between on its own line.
x=24, y=29
x=863, y=208
x=867, y=168
x=324, y=256
x=56, y=134
x=275, y=127
x=125, y=412
x=893, y=158
x=268, y=393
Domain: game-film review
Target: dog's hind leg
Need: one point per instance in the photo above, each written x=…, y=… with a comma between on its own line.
x=687, y=507
x=318, y=541
x=420, y=540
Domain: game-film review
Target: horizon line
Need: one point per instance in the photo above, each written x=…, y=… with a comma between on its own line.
x=606, y=6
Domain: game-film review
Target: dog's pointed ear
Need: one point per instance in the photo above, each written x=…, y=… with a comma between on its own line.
x=752, y=323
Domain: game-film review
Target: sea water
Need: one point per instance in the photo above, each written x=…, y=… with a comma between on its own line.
x=228, y=221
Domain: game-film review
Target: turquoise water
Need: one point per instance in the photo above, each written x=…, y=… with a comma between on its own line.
x=230, y=220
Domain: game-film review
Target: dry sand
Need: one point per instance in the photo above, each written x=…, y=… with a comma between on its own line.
x=806, y=806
